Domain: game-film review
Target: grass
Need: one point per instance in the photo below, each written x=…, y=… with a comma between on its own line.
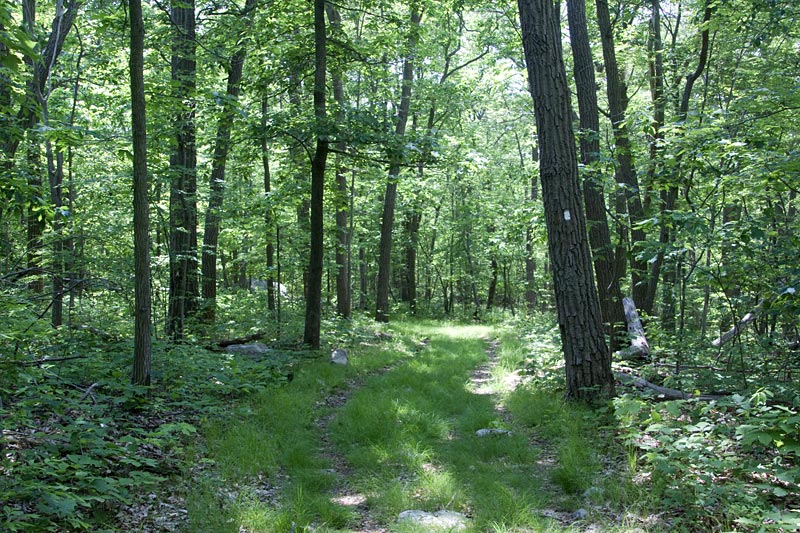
x=407, y=437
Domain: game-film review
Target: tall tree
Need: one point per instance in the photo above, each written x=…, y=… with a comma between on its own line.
x=141, y=205
x=588, y=362
x=311, y=334
x=390, y=198
x=599, y=235
x=269, y=210
x=217, y=178
x=183, y=284
x=343, y=303
x=617, y=93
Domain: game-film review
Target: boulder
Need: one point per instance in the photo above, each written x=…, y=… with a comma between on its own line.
x=339, y=356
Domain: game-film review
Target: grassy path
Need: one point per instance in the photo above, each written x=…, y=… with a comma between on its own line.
x=348, y=448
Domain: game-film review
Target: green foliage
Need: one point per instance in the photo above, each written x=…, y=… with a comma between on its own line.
x=719, y=463
x=79, y=441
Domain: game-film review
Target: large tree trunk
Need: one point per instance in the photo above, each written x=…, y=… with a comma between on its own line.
x=588, y=361
x=608, y=288
x=217, y=179
x=617, y=94
x=311, y=334
x=141, y=205
x=183, y=283
x=390, y=199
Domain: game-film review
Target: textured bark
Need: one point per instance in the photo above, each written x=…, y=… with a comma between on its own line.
x=141, y=206
x=617, y=94
x=608, y=288
x=216, y=180
x=588, y=361
x=311, y=334
x=390, y=198
x=183, y=282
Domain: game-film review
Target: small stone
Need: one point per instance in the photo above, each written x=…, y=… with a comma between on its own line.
x=339, y=356
x=580, y=514
x=492, y=431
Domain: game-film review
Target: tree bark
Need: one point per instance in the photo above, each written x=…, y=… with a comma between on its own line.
x=183, y=289
x=608, y=288
x=141, y=205
x=311, y=335
x=390, y=198
x=588, y=361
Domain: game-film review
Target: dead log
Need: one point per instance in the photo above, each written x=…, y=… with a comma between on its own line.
x=639, y=348
x=664, y=393
x=223, y=343
x=735, y=330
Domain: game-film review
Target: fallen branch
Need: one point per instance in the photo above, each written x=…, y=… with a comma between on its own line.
x=731, y=333
x=238, y=340
x=38, y=362
x=665, y=393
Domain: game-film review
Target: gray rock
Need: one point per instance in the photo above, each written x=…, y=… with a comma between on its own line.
x=492, y=431
x=255, y=348
x=339, y=356
x=580, y=514
x=439, y=520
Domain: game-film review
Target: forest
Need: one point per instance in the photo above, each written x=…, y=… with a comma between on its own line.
x=320, y=265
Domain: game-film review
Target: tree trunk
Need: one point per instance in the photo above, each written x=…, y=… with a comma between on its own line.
x=412, y=223
x=183, y=287
x=492, y=292
x=29, y=110
x=362, y=278
x=617, y=93
x=216, y=182
x=608, y=288
x=342, y=232
x=141, y=205
x=269, y=217
x=390, y=199
x=588, y=361
x=311, y=335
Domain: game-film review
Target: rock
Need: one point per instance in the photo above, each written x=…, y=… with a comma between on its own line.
x=580, y=514
x=256, y=348
x=492, y=431
x=439, y=520
x=339, y=356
